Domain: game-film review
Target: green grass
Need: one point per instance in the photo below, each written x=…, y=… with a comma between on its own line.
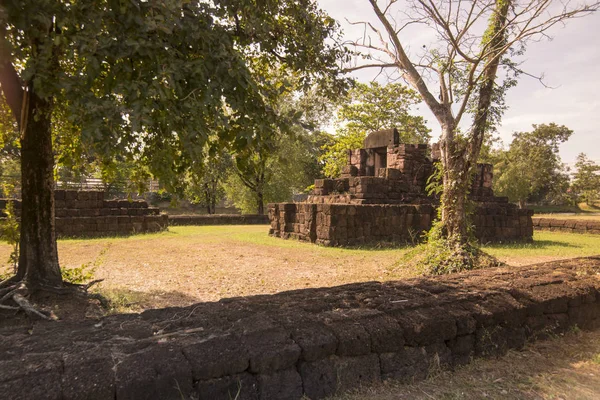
x=191, y=264
x=549, y=244
x=581, y=208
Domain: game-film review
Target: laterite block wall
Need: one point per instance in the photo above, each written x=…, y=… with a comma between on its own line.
x=348, y=225
x=86, y=213
x=310, y=342
x=567, y=225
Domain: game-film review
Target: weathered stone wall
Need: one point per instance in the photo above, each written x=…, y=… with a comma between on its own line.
x=567, y=225
x=87, y=214
x=393, y=174
x=219, y=219
x=312, y=342
x=348, y=225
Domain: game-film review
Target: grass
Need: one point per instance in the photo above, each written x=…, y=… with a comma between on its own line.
x=580, y=211
x=586, y=216
x=194, y=264
x=566, y=367
x=206, y=263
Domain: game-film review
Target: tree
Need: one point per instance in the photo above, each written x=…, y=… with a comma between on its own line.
x=150, y=79
x=586, y=180
x=470, y=68
x=371, y=107
x=204, y=181
x=287, y=171
x=531, y=167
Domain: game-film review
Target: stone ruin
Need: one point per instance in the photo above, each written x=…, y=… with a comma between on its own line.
x=85, y=213
x=381, y=197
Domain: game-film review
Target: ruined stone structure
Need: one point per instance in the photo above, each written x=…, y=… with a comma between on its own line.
x=381, y=197
x=308, y=343
x=86, y=213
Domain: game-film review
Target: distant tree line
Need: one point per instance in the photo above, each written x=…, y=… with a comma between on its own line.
x=530, y=169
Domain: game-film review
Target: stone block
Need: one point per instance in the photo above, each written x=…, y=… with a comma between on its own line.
x=155, y=373
x=353, y=339
x=316, y=341
x=217, y=357
x=284, y=385
x=242, y=386
x=325, y=377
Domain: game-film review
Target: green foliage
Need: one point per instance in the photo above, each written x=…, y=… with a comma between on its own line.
x=444, y=255
x=287, y=171
x=85, y=273
x=283, y=161
x=586, y=180
x=204, y=181
x=531, y=167
x=9, y=225
x=78, y=275
x=371, y=107
x=150, y=81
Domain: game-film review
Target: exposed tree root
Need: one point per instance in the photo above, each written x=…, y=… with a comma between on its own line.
x=8, y=282
x=28, y=308
x=17, y=293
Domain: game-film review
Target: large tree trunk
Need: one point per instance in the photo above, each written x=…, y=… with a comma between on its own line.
x=38, y=258
x=456, y=180
x=457, y=159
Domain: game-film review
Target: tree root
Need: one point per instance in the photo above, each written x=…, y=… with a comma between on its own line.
x=8, y=282
x=28, y=308
x=17, y=292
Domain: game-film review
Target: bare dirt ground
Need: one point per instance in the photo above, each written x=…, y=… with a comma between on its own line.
x=196, y=264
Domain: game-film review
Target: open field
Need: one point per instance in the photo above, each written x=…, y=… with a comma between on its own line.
x=566, y=367
x=580, y=211
x=193, y=264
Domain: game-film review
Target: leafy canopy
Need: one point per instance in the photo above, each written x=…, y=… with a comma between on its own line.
x=531, y=167
x=371, y=107
x=586, y=180
x=154, y=79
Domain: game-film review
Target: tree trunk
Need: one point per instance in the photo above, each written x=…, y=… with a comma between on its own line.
x=38, y=258
x=456, y=180
x=260, y=203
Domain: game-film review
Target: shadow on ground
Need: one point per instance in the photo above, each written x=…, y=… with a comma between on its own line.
x=537, y=244
x=123, y=300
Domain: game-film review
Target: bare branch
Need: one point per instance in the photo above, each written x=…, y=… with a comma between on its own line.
x=359, y=67
x=405, y=64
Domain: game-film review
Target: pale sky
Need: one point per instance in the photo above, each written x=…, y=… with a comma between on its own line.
x=570, y=64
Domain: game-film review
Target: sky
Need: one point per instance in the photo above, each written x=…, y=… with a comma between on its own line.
x=570, y=64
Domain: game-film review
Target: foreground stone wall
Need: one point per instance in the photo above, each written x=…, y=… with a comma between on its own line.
x=349, y=225
x=312, y=342
x=218, y=219
x=567, y=225
x=85, y=213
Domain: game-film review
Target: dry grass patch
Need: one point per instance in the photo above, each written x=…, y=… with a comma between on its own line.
x=585, y=216
x=194, y=264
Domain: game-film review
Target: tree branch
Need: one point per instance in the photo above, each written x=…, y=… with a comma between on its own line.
x=412, y=75
x=385, y=65
x=10, y=83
